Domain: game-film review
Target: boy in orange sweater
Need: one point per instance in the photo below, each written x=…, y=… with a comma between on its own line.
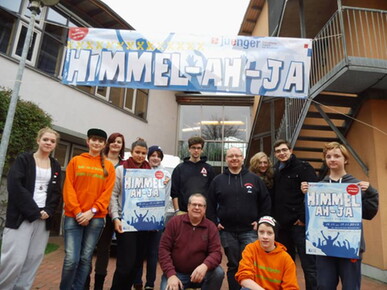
x=265, y=263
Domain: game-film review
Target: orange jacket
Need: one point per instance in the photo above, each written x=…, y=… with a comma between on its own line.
x=86, y=187
x=273, y=270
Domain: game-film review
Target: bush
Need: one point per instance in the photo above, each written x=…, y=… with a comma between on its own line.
x=28, y=120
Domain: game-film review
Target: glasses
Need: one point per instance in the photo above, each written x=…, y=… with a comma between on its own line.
x=195, y=148
x=199, y=205
x=234, y=156
x=283, y=150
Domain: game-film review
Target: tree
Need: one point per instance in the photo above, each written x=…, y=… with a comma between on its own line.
x=29, y=119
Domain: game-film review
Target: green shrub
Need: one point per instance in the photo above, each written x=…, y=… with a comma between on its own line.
x=28, y=120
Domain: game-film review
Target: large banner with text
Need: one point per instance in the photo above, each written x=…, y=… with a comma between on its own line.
x=143, y=199
x=333, y=220
x=267, y=66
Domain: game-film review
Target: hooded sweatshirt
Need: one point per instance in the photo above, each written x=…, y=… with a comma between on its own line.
x=369, y=198
x=237, y=200
x=270, y=270
x=86, y=186
x=191, y=177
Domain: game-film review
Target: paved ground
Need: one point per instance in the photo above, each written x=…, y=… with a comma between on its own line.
x=49, y=273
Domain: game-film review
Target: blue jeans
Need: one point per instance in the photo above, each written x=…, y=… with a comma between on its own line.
x=234, y=243
x=293, y=239
x=329, y=269
x=212, y=281
x=80, y=242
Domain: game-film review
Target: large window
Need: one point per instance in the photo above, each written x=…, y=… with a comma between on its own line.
x=221, y=126
x=47, y=49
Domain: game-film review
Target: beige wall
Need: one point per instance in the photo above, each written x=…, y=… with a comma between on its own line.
x=262, y=25
x=370, y=144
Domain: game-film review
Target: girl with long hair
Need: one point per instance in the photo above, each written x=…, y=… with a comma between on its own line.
x=114, y=152
x=261, y=165
x=87, y=191
x=128, y=243
x=34, y=192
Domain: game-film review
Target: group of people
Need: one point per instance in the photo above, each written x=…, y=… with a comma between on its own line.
x=256, y=215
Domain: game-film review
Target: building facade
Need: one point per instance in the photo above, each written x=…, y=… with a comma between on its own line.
x=347, y=97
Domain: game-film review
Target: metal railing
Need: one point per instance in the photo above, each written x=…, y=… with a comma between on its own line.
x=351, y=36
x=355, y=36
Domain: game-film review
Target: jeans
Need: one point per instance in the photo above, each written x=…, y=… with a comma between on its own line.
x=212, y=281
x=293, y=239
x=329, y=269
x=80, y=242
x=149, y=253
x=234, y=243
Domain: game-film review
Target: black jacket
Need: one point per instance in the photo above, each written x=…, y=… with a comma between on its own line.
x=188, y=178
x=21, y=185
x=288, y=199
x=237, y=200
x=369, y=199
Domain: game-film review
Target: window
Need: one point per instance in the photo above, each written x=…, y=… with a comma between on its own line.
x=222, y=127
x=7, y=23
x=11, y=5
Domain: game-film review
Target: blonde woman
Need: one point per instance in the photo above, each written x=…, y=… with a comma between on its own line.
x=261, y=165
x=33, y=195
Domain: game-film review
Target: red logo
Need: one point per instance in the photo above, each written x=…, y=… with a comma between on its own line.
x=78, y=33
x=159, y=174
x=352, y=189
x=306, y=45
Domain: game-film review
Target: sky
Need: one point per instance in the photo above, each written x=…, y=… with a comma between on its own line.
x=206, y=17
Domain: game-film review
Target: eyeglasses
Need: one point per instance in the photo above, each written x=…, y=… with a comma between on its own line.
x=234, y=156
x=195, y=148
x=199, y=205
x=283, y=150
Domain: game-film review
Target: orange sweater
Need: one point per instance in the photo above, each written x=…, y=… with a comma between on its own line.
x=273, y=270
x=86, y=187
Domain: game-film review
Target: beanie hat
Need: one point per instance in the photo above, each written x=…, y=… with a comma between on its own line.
x=153, y=149
x=270, y=221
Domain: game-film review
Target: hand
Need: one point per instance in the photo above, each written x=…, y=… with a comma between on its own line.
x=118, y=226
x=44, y=215
x=198, y=274
x=255, y=226
x=220, y=227
x=174, y=283
x=84, y=217
x=304, y=187
x=167, y=179
x=299, y=223
x=363, y=185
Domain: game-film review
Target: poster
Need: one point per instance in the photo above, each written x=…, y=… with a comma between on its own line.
x=333, y=220
x=143, y=199
x=267, y=66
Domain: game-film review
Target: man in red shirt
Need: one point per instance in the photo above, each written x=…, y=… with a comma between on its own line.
x=190, y=251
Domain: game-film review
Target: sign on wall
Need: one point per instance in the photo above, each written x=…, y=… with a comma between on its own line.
x=265, y=66
x=333, y=220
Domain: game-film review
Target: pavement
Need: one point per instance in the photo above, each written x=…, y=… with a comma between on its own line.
x=49, y=273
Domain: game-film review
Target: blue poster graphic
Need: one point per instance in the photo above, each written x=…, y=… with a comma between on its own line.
x=143, y=199
x=333, y=220
x=267, y=66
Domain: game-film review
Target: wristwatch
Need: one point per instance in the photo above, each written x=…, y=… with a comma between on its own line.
x=94, y=210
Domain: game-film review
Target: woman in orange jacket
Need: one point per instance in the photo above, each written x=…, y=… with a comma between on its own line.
x=88, y=186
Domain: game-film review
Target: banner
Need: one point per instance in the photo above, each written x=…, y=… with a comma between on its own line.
x=266, y=66
x=333, y=220
x=143, y=199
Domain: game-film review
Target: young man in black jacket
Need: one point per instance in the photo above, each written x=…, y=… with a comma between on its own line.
x=237, y=199
x=194, y=175
x=289, y=208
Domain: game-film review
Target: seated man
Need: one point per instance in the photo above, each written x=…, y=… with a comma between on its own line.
x=190, y=251
x=265, y=263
